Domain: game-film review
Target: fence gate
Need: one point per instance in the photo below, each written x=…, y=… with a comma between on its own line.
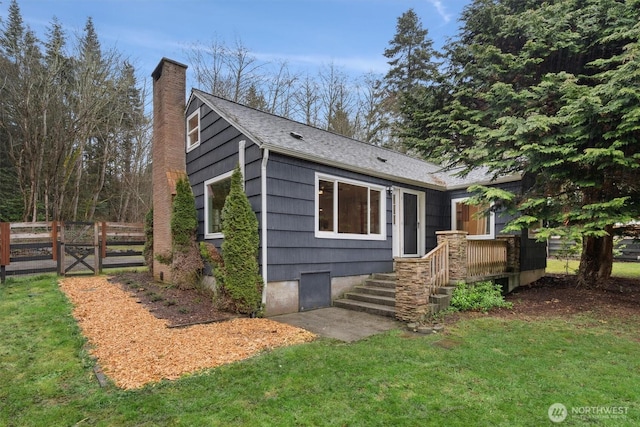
x=80, y=241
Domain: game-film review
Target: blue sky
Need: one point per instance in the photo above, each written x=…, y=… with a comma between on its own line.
x=308, y=34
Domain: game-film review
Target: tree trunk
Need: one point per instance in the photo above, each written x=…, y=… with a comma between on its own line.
x=596, y=261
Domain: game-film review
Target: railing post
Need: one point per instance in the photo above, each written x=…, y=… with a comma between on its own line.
x=457, y=241
x=513, y=252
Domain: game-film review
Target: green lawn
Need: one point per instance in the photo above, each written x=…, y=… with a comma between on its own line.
x=487, y=371
x=620, y=269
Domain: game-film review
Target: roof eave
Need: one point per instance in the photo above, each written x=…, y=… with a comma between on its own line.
x=346, y=166
x=501, y=180
x=230, y=120
x=352, y=168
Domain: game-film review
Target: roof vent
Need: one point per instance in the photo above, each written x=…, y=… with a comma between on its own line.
x=296, y=135
x=382, y=159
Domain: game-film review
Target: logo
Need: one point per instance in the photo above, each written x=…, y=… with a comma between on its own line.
x=557, y=412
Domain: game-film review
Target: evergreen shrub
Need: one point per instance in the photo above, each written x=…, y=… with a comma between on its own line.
x=186, y=262
x=481, y=296
x=239, y=273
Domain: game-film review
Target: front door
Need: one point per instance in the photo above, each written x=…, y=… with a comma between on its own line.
x=408, y=228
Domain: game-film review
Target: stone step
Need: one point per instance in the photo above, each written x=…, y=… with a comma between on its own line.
x=446, y=290
x=375, y=290
x=375, y=299
x=381, y=283
x=367, y=307
x=433, y=308
x=441, y=300
x=384, y=276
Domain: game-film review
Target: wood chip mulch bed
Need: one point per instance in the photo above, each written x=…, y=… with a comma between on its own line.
x=134, y=348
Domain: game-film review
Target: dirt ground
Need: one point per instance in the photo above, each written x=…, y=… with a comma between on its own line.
x=177, y=307
x=142, y=332
x=553, y=295
x=558, y=295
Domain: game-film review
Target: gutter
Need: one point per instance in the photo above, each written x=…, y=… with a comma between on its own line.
x=263, y=216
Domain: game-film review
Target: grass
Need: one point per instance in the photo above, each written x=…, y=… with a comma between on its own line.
x=486, y=371
x=629, y=270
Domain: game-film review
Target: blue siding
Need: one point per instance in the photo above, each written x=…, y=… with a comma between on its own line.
x=218, y=154
x=293, y=247
x=438, y=216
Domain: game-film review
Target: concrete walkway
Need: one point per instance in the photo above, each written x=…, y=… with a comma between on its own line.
x=339, y=323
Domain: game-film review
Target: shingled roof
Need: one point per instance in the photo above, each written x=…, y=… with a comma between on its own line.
x=292, y=138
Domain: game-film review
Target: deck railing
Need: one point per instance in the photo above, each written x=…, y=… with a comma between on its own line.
x=486, y=257
x=456, y=258
x=438, y=260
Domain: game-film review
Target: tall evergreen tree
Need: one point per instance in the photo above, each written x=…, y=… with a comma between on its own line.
x=13, y=34
x=414, y=71
x=548, y=90
x=240, y=275
x=410, y=55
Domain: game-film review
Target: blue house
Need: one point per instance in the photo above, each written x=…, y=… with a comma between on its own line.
x=332, y=210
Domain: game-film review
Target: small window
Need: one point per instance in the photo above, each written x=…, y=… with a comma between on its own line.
x=216, y=192
x=470, y=218
x=349, y=209
x=193, y=130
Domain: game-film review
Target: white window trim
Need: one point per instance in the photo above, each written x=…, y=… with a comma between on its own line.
x=492, y=222
x=208, y=182
x=195, y=144
x=345, y=236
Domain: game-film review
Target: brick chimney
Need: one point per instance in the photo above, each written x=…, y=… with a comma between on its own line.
x=168, y=153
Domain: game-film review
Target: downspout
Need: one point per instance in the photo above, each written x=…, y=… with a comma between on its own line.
x=263, y=214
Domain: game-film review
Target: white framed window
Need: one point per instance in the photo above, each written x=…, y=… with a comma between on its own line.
x=469, y=218
x=348, y=209
x=193, y=130
x=216, y=191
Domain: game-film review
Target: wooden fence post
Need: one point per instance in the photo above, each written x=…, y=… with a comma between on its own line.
x=5, y=249
x=96, y=248
x=61, y=252
x=54, y=240
x=103, y=243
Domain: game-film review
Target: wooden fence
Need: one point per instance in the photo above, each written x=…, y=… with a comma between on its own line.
x=68, y=248
x=626, y=249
